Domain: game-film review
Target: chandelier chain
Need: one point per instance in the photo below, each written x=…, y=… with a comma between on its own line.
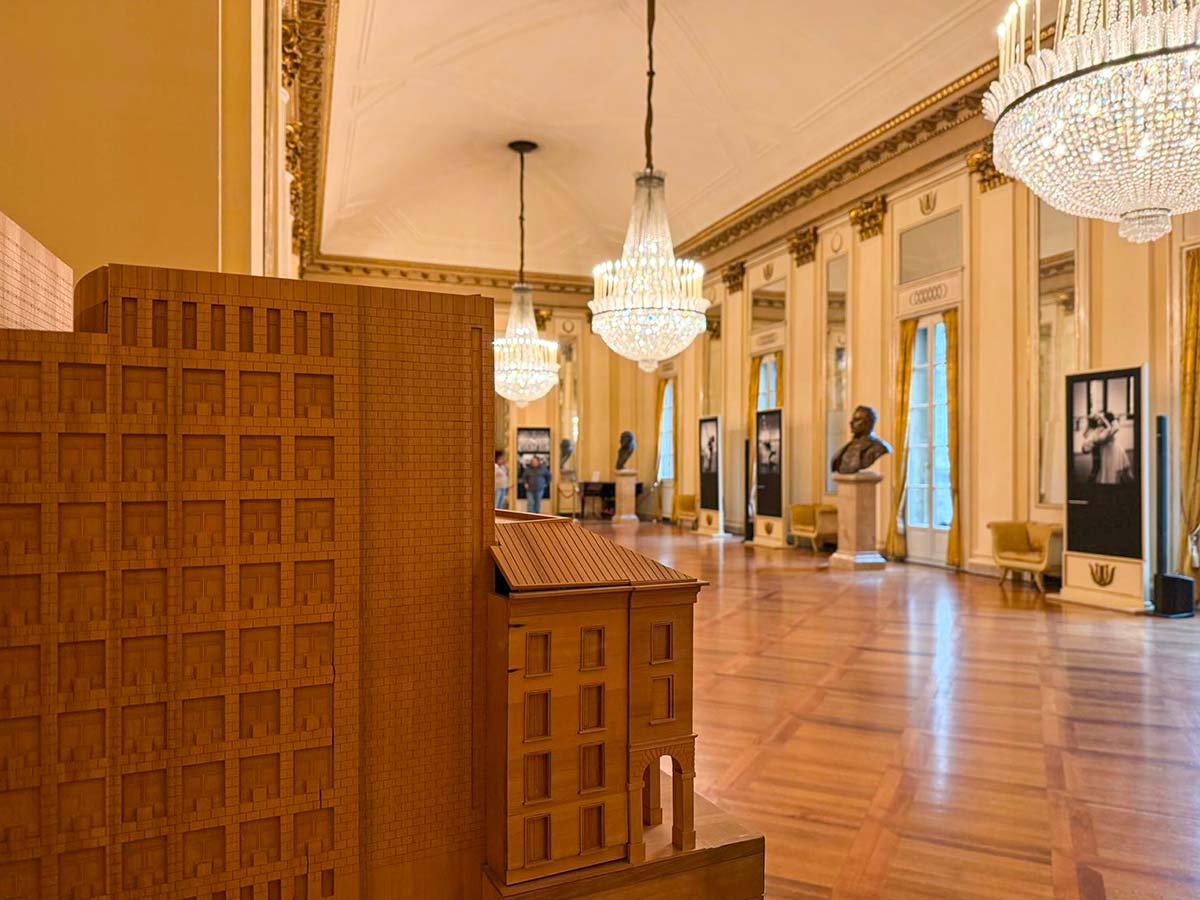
x=649, y=85
x=521, y=219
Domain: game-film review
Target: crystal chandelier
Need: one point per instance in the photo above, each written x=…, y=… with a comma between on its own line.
x=526, y=366
x=1106, y=123
x=647, y=305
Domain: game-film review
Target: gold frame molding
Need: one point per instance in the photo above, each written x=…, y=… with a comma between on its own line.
x=437, y=274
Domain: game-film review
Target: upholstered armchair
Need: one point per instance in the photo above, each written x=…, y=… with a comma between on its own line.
x=686, y=510
x=815, y=523
x=1033, y=547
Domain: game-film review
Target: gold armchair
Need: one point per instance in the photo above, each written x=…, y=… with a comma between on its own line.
x=686, y=510
x=1034, y=547
x=814, y=522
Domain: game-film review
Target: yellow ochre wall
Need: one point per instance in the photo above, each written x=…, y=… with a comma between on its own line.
x=129, y=131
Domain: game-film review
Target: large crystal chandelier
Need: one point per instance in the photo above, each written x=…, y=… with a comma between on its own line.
x=1106, y=123
x=526, y=366
x=647, y=305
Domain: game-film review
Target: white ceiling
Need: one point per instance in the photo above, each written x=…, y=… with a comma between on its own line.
x=427, y=93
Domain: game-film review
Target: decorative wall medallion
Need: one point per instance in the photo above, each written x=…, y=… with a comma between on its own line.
x=837, y=242
x=929, y=294
x=567, y=327
x=734, y=275
x=867, y=217
x=803, y=245
x=1102, y=573
x=768, y=271
x=979, y=162
x=708, y=519
x=928, y=202
x=769, y=527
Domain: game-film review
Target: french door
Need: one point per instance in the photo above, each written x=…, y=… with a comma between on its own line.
x=929, y=506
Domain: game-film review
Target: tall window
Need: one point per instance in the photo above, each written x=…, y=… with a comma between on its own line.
x=768, y=382
x=1057, y=345
x=930, y=506
x=666, y=434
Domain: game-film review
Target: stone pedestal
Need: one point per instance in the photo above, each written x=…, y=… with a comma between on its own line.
x=626, y=513
x=857, y=548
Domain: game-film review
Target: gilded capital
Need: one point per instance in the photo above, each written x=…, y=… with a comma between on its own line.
x=734, y=276
x=867, y=217
x=543, y=317
x=979, y=162
x=803, y=245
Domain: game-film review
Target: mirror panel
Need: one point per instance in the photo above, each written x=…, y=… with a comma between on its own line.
x=931, y=247
x=768, y=304
x=1058, y=349
x=713, y=371
x=837, y=276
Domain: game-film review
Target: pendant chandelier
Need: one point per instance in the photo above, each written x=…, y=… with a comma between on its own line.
x=526, y=366
x=647, y=305
x=1105, y=124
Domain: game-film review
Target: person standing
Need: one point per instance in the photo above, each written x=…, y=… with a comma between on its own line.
x=537, y=479
x=501, y=479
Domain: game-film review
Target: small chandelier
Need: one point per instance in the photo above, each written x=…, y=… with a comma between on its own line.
x=1106, y=124
x=526, y=366
x=647, y=305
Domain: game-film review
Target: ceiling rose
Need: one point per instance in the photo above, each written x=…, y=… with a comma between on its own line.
x=525, y=365
x=648, y=305
x=1105, y=124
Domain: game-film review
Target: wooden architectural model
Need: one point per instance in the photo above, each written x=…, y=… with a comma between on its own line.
x=594, y=645
x=245, y=587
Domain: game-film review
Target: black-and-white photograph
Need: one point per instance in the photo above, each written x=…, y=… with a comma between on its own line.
x=1104, y=440
x=769, y=469
x=533, y=442
x=710, y=463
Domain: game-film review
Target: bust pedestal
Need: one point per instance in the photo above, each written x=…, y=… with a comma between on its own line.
x=626, y=513
x=856, y=522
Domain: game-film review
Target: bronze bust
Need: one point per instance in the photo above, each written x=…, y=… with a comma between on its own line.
x=626, y=449
x=864, y=448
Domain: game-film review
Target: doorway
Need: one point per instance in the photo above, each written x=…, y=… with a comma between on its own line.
x=929, y=506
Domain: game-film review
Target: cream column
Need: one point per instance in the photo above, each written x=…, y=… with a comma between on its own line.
x=869, y=317
x=803, y=375
x=736, y=366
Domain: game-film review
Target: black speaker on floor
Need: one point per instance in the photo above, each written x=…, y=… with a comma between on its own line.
x=1174, y=595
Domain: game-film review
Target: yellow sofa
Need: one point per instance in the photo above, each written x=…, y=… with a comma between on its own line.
x=1034, y=547
x=815, y=523
x=686, y=510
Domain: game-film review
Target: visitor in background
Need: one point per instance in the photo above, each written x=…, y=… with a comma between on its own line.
x=537, y=479
x=501, y=480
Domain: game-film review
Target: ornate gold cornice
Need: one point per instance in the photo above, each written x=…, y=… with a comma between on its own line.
x=936, y=114
x=734, y=276
x=979, y=162
x=803, y=245
x=867, y=217
x=316, y=26
x=501, y=279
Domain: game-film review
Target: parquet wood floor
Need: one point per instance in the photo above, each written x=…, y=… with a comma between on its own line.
x=918, y=733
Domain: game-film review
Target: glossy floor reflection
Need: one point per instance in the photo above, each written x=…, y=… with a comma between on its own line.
x=922, y=734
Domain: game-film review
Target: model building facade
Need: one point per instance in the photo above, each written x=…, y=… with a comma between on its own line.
x=591, y=684
x=224, y=608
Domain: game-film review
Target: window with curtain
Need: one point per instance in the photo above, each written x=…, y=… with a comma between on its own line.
x=929, y=500
x=768, y=382
x=1057, y=345
x=666, y=434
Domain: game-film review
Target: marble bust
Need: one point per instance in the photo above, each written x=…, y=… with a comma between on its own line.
x=628, y=445
x=864, y=448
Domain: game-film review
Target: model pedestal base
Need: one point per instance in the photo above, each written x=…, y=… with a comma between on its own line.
x=726, y=864
x=711, y=522
x=857, y=548
x=626, y=513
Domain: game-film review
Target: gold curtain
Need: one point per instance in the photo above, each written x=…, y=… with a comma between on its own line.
x=954, y=538
x=779, y=379
x=751, y=409
x=897, y=545
x=1189, y=413
x=675, y=445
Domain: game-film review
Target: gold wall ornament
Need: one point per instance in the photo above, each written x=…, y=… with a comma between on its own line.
x=713, y=329
x=543, y=316
x=928, y=202
x=867, y=217
x=803, y=245
x=979, y=162
x=734, y=276
x=290, y=50
x=768, y=271
x=293, y=144
x=1102, y=573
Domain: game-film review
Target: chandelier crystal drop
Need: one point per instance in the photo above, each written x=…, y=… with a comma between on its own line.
x=1107, y=123
x=525, y=365
x=648, y=305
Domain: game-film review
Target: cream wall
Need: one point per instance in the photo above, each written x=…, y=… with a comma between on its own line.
x=132, y=130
